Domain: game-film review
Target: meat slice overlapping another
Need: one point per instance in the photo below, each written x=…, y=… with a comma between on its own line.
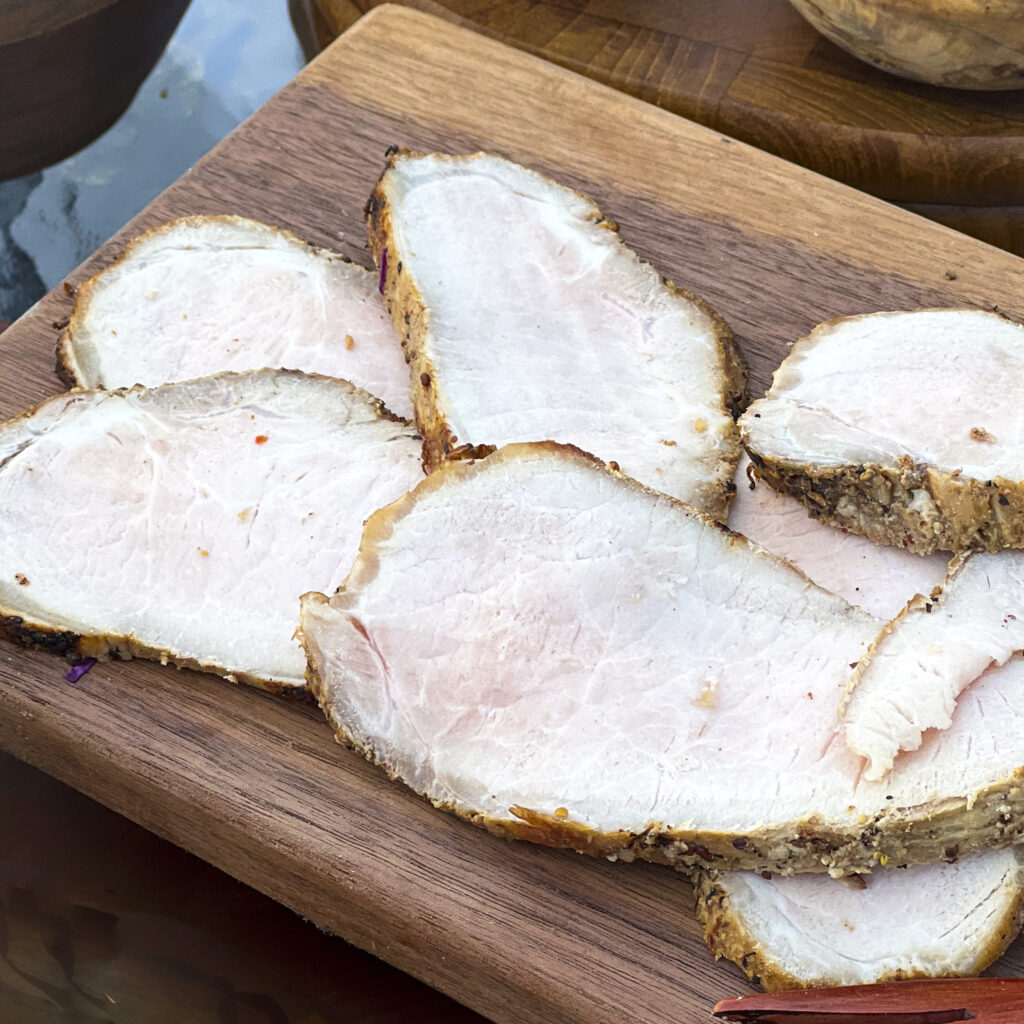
x=203, y=295
x=184, y=522
x=807, y=930
x=905, y=427
x=871, y=576
x=551, y=650
x=912, y=675
x=929, y=920
x=527, y=319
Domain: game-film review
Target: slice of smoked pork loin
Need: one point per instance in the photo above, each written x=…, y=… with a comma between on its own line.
x=203, y=295
x=549, y=649
x=927, y=920
x=917, y=667
x=527, y=319
x=904, y=427
x=184, y=522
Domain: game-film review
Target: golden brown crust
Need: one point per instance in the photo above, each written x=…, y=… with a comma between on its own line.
x=735, y=398
x=105, y=646
x=918, y=835
x=405, y=304
x=940, y=830
x=879, y=502
x=727, y=935
x=905, y=504
x=734, y=366
x=403, y=301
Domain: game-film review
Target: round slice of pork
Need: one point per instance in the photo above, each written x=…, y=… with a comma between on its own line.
x=527, y=319
x=182, y=523
x=206, y=294
x=549, y=649
x=929, y=920
x=904, y=427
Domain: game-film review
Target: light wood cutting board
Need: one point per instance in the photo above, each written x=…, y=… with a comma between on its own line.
x=256, y=785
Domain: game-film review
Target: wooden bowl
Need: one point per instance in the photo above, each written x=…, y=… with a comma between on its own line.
x=966, y=44
x=68, y=69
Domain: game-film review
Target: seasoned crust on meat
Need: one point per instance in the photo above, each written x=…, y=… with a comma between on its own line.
x=902, y=427
x=106, y=646
x=431, y=387
x=906, y=505
x=865, y=825
x=936, y=920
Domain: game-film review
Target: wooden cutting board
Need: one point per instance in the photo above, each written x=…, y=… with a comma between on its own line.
x=256, y=785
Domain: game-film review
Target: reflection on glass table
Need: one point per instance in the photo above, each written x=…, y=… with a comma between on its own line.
x=225, y=59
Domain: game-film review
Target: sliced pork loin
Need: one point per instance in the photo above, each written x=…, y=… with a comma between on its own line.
x=911, y=677
x=878, y=579
x=553, y=651
x=806, y=930
x=527, y=319
x=904, y=427
x=206, y=294
x=183, y=523
x=930, y=920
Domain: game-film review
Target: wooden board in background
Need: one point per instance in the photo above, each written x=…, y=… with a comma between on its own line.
x=757, y=70
x=256, y=785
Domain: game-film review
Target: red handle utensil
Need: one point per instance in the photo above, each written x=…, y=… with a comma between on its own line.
x=938, y=1001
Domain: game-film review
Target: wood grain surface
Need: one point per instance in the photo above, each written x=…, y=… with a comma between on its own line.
x=256, y=785
x=102, y=922
x=756, y=70
x=69, y=68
